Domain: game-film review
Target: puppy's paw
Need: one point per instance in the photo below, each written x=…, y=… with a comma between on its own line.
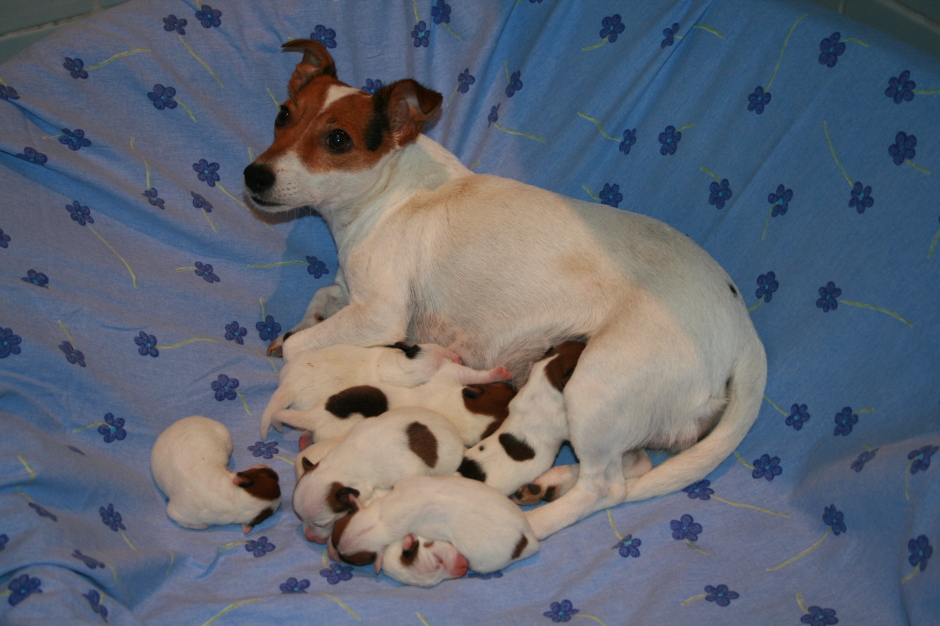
x=533, y=493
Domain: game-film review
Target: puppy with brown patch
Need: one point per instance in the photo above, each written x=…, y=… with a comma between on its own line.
x=470, y=400
x=479, y=522
x=375, y=455
x=526, y=443
x=315, y=375
x=189, y=462
x=504, y=269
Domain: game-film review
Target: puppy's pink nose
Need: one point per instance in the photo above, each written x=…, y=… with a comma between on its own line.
x=312, y=535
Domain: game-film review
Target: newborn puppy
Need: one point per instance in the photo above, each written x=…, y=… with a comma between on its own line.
x=315, y=375
x=189, y=462
x=313, y=454
x=421, y=562
x=470, y=399
x=526, y=443
x=482, y=524
x=375, y=455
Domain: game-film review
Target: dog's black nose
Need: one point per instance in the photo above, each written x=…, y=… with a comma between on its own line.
x=258, y=178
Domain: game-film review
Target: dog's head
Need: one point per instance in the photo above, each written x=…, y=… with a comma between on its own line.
x=330, y=139
x=262, y=484
x=421, y=562
x=319, y=501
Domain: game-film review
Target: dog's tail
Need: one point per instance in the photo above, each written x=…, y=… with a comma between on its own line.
x=745, y=395
x=280, y=400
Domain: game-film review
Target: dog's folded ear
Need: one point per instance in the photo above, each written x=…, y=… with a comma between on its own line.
x=316, y=62
x=409, y=106
x=307, y=465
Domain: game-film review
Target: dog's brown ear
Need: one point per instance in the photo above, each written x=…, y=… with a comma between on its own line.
x=409, y=106
x=307, y=465
x=316, y=62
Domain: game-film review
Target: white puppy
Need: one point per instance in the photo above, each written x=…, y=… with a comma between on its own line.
x=468, y=398
x=189, y=462
x=422, y=562
x=315, y=375
x=376, y=454
x=526, y=443
x=482, y=524
x=499, y=271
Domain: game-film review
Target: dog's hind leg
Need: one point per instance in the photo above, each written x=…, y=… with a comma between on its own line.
x=559, y=480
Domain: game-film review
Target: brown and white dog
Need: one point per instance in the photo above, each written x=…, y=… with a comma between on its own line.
x=470, y=400
x=499, y=271
x=316, y=375
x=374, y=455
x=189, y=462
x=480, y=523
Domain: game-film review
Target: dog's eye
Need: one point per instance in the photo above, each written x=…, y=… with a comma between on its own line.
x=282, y=117
x=338, y=141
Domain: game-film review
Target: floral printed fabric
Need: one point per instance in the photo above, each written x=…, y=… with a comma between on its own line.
x=798, y=148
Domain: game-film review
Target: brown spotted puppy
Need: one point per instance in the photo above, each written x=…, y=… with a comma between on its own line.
x=526, y=443
x=315, y=375
x=470, y=399
x=479, y=522
x=189, y=462
x=375, y=455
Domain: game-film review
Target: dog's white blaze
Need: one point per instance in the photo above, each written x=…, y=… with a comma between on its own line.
x=336, y=92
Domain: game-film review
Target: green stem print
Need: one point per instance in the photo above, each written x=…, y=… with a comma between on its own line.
x=203, y=63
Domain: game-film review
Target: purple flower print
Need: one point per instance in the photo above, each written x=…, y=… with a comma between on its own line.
x=719, y=193
x=205, y=271
x=720, y=595
x=207, y=172
x=94, y=598
x=628, y=546
x=112, y=429
x=326, y=36
x=685, y=528
x=92, y=563
x=845, y=420
x=669, y=34
x=921, y=458
x=75, y=67
x=780, y=199
x=74, y=139
x=629, y=140
x=316, y=267
x=920, y=550
x=669, y=140
x=260, y=547
x=162, y=97
x=8, y=93
x=268, y=330
x=861, y=197
x=421, y=35
x=72, y=355
x=700, y=490
x=834, y=519
x=798, y=416
x=36, y=278
x=9, y=343
x=22, y=587
x=292, y=585
x=766, y=467
x=146, y=344
x=561, y=611
x=515, y=84
x=153, y=198
x=829, y=50
x=200, y=203
x=901, y=88
x=903, y=148
x=224, y=388
x=79, y=213
x=612, y=27
x=440, y=12
x=464, y=80
x=209, y=17
x=111, y=518
x=766, y=286
x=372, y=86
x=236, y=333
x=827, y=297
x=33, y=156
x=758, y=100
x=336, y=573
x=4, y=239
x=610, y=195
x=820, y=617
x=493, y=117
x=171, y=23
x=265, y=450
x=42, y=512
x=3, y=541
x=859, y=463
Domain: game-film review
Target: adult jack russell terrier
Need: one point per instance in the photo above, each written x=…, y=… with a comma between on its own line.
x=499, y=271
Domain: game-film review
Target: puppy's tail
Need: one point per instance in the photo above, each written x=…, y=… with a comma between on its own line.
x=280, y=400
x=745, y=395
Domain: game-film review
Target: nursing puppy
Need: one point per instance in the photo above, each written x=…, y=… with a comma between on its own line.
x=315, y=375
x=526, y=443
x=189, y=462
x=483, y=525
x=375, y=455
x=469, y=399
x=504, y=270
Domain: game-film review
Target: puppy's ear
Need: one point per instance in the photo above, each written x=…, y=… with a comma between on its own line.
x=355, y=505
x=409, y=106
x=307, y=465
x=316, y=62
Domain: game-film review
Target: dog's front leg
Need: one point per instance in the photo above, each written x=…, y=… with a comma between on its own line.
x=324, y=304
x=358, y=324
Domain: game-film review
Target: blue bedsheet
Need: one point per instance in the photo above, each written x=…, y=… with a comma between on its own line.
x=801, y=149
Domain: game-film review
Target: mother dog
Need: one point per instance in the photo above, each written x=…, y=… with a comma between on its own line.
x=500, y=271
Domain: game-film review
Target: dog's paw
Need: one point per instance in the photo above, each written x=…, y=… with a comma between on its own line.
x=534, y=493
